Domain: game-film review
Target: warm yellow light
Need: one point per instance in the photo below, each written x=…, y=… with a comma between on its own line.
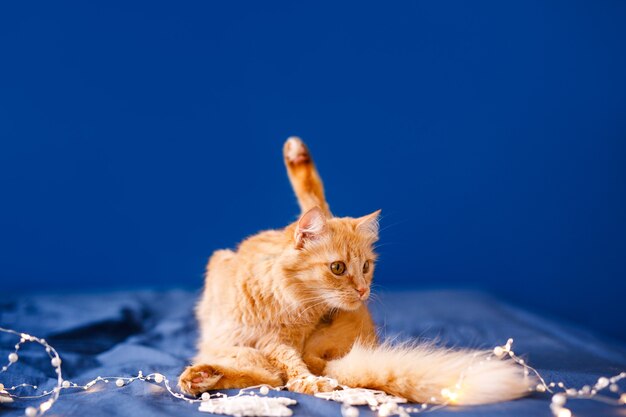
x=452, y=396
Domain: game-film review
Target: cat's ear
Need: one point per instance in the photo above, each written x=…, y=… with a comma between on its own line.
x=311, y=226
x=369, y=224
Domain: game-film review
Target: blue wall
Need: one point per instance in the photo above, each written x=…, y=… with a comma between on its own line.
x=136, y=139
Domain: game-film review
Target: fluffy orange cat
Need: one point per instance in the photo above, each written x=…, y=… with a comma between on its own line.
x=288, y=308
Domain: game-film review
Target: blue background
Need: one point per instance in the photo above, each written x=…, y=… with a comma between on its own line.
x=137, y=138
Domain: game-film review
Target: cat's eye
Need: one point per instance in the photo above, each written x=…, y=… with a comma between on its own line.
x=366, y=267
x=338, y=267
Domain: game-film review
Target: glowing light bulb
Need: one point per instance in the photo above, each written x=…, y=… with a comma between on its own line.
x=452, y=396
x=564, y=412
x=45, y=406
x=56, y=361
x=384, y=411
x=498, y=351
x=602, y=382
x=30, y=411
x=264, y=390
x=13, y=357
x=119, y=382
x=349, y=411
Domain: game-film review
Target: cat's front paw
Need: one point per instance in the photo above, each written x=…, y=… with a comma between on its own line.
x=295, y=151
x=197, y=379
x=312, y=384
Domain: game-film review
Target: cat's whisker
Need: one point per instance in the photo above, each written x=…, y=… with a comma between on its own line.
x=389, y=226
x=380, y=245
x=376, y=298
x=310, y=307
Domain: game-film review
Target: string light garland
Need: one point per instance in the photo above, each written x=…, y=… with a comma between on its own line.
x=55, y=361
x=249, y=402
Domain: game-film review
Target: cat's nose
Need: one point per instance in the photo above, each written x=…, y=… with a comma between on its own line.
x=361, y=291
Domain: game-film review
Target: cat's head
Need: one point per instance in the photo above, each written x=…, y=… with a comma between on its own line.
x=333, y=258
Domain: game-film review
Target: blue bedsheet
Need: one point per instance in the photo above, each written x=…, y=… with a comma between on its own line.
x=116, y=334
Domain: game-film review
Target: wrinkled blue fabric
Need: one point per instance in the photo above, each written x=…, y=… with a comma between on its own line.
x=120, y=333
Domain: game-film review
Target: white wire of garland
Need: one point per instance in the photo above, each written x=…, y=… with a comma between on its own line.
x=248, y=403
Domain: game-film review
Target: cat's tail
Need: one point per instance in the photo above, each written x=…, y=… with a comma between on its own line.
x=303, y=175
x=424, y=373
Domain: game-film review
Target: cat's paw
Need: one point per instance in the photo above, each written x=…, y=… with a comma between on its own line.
x=197, y=379
x=295, y=151
x=312, y=384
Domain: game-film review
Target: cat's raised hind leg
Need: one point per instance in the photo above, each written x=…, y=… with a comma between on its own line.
x=233, y=367
x=303, y=175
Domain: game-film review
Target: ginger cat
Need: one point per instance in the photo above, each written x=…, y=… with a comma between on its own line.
x=288, y=308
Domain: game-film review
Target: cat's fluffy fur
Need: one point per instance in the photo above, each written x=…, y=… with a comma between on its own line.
x=274, y=312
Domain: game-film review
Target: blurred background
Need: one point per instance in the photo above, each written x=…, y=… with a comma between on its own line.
x=135, y=139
